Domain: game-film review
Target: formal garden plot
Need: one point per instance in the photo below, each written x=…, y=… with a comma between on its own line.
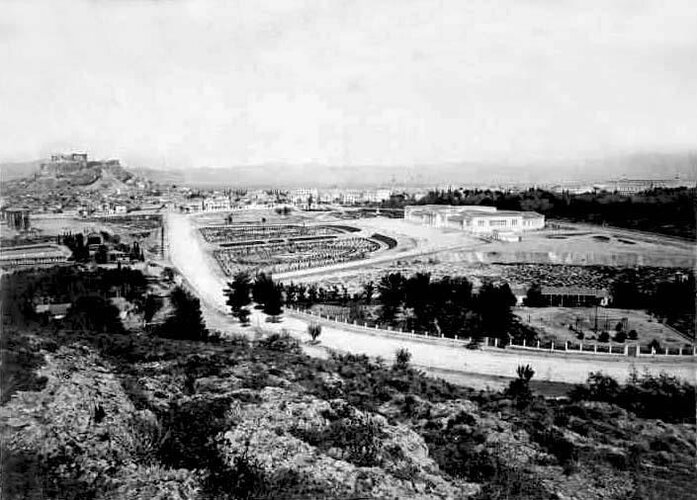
x=244, y=232
x=279, y=257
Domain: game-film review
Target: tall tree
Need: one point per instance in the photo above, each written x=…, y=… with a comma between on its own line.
x=186, y=322
x=274, y=302
x=238, y=295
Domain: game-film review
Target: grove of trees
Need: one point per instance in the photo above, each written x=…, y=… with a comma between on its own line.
x=663, y=210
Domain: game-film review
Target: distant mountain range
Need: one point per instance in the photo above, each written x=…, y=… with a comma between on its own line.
x=635, y=166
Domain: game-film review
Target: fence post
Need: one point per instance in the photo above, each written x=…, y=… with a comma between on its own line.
x=595, y=348
x=496, y=341
x=653, y=351
x=580, y=346
x=538, y=344
x=680, y=352
x=626, y=350
x=523, y=342
x=566, y=345
x=694, y=350
x=551, y=349
x=666, y=351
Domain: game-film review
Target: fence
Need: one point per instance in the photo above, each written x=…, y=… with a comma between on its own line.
x=610, y=349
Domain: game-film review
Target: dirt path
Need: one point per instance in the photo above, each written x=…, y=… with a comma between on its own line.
x=203, y=275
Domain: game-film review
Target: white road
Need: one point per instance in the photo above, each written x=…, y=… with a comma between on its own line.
x=205, y=277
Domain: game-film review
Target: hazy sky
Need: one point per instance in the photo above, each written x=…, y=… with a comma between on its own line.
x=178, y=83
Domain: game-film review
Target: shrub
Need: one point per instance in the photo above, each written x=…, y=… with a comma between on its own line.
x=633, y=335
x=402, y=358
x=520, y=387
x=314, y=329
x=604, y=337
x=620, y=336
x=648, y=396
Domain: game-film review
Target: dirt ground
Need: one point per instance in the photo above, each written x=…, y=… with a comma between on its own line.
x=555, y=321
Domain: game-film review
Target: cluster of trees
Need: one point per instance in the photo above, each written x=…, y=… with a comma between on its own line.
x=80, y=248
x=241, y=291
x=665, y=210
x=672, y=301
x=445, y=306
x=22, y=290
x=306, y=296
x=89, y=294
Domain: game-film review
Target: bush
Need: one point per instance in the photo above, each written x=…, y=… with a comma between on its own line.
x=314, y=329
x=620, y=337
x=520, y=387
x=633, y=335
x=402, y=358
x=604, y=337
x=648, y=396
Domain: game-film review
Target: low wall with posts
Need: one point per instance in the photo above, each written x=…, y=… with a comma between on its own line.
x=568, y=348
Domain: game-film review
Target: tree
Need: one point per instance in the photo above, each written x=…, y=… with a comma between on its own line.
x=534, y=296
x=151, y=305
x=314, y=329
x=494, y=304
x=262, y=288
x=238, y=296
x=368, y=292
x=94, y=314
x=102, y=255
x=391, y=288
x=186, y=322
x=273, y=306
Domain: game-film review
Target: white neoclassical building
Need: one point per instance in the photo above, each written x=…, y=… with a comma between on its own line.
x=476, y=219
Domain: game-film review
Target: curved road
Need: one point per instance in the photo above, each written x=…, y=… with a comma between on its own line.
x=203, y=274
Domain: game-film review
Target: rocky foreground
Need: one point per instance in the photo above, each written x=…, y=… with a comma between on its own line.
x=119, y=416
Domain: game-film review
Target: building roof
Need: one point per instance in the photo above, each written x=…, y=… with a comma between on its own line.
x=575, y=290
x=531, y=215
x=34, y=251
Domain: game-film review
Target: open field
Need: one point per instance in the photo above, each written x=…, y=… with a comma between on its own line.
x=553, y=323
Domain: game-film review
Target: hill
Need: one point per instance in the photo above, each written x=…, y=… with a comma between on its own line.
x=96, y=410
x=66, y=182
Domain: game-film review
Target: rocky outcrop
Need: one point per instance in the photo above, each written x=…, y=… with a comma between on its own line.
x=289, y=432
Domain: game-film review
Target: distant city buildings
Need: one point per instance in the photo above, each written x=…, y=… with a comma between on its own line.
x=476, y=219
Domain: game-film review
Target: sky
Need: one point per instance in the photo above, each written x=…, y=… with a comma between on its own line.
x=188, y=83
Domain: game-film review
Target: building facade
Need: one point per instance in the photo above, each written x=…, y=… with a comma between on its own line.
x=475, y=219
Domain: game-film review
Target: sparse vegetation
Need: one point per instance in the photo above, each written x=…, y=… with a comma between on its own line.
x=188, y=397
